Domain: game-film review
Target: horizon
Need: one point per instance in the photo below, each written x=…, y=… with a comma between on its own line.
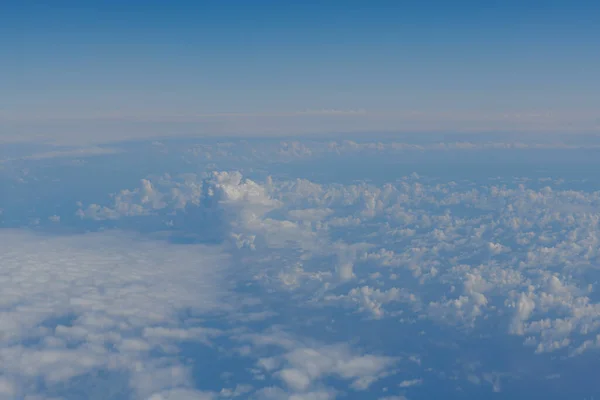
x=299, y=200
x=99, y=68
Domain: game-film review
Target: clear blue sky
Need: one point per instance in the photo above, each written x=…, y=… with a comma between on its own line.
x=93, y=58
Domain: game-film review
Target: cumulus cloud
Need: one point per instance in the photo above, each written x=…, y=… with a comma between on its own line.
x=420, y=231
x=501, y=263
x=303, y=368
x=287, y=151
x=372, y=300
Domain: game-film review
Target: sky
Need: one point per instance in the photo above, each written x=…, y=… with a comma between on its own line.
x=98, y=68
x=299, y=200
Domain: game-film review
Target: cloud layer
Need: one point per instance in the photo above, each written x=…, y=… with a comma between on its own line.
x=289, y=278
x=463, y=253
x=74, y=307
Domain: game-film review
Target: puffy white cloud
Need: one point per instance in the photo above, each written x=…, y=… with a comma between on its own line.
x=146, y=199
x=372, y=300
x=588, y=344
x=303, y=368
x=429, y=234
x=238, y=391
x=434, y=264
x=524, y=308
x=449, y=257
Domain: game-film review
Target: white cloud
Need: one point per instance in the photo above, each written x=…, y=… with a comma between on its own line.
x=372, y=300
x=524, y=308
x=80, y=152
x=103, y=127
x=410, y=383
x=534, y=231
x=8, y=390
x=182, y=394
x=303, y=368
x=445, y=256
x=101, y=302
x=295, y=379
x=275, y=393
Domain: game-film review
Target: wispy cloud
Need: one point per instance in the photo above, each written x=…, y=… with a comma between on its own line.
x=116, y=126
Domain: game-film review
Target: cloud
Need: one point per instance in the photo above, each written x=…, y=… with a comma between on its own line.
x=290, y=221
x=76, y=305
x=410, y=383
x=103, y=127
x=372, y=300
x=452, y=268
x=275, y=393
x=304, y=368
x=67, y=153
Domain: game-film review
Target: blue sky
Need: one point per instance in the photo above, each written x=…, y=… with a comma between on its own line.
x=442, y=243
x=454, y=62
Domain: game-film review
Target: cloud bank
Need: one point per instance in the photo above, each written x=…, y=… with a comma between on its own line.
x=299, y=281
x=101, y=306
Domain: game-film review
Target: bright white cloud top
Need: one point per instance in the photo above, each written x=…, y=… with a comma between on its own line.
x=302, y=270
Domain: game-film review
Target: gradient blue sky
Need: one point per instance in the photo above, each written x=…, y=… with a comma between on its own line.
x=460, y=61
